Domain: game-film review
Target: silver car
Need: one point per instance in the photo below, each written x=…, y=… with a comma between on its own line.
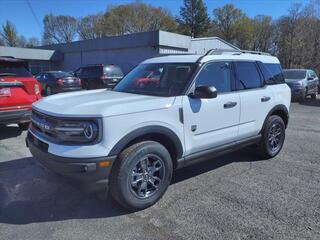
x=303, y=83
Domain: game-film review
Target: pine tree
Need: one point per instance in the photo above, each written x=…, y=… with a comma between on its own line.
x=194, y=19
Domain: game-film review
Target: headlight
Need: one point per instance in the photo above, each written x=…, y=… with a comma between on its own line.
x=78, y=131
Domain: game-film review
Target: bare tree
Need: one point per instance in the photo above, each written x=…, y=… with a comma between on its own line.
x=226, y=20
x=89, y=27
x=9, y=35
x=59, y=29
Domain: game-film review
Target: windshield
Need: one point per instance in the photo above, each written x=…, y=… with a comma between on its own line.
x=14, y=69
x=164, y=79
x=112, y=71
x=61, y=74
x=294, y=74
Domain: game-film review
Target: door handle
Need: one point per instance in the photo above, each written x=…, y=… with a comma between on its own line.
x=229, y=104
x=265, y=99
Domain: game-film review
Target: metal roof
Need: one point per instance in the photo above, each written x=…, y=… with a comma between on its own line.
x=31, y=53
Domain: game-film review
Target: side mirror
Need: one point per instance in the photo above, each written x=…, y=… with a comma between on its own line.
x=204, y=92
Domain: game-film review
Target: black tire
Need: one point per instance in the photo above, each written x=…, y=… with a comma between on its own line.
x=48, y=91
x=124, y=187
x=23, y=126
x=270, y=144
x=313, y=96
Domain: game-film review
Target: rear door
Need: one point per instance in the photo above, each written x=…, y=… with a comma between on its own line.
x=256, y=98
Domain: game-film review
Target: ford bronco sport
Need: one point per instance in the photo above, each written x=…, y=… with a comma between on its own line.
x=131, y=139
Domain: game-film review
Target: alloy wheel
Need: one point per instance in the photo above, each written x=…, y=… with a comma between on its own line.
x=147, y=176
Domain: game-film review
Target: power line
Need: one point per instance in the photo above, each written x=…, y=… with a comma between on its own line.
x=34, y=15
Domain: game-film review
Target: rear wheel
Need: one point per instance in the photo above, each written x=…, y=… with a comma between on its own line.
x=273, y=136
x=141, y=175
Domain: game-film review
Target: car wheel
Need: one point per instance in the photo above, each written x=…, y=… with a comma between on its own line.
x=24, y=126
x=313, y=96
x=273, y=136
x=48, y=91
x=141, y=175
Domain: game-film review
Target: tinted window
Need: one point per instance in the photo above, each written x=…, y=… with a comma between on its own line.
x=14, y=69
x=247, y=75
x=60, y=74
x=112, y=71
x=170, y=80
x=92, y=72
x=216, y=74
x=294, y=74
x=275, y=72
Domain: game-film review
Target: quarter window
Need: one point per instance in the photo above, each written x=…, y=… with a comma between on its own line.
x=217, y=74
x=247, y=75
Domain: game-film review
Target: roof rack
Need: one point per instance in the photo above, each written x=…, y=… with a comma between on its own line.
x=234, y=51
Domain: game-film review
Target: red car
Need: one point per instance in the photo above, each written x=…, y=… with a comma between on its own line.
x=18, y=90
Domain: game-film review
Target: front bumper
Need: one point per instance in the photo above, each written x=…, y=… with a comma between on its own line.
x=15, y=116
x=86, y=171
x=296, y=93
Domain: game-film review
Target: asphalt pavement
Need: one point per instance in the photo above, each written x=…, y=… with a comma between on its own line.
x=236, y=196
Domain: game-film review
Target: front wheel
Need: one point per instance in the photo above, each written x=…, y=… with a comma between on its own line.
x=314, y=96
x=141, y=175
x=273, y=136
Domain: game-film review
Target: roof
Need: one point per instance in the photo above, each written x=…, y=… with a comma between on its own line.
x=225, y=56
x=30, y=53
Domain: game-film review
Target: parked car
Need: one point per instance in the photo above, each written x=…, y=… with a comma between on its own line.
x=58, y=81
x=148, y=78
x=131, y=139
x=18, y=90
x=99, y=76
x=303, y=83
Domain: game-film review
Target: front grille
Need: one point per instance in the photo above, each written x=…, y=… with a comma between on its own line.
x=44, y=125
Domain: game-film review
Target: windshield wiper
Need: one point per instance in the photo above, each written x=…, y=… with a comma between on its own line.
x=8, y=74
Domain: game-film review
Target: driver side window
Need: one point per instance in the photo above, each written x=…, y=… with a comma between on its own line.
x=216, y=74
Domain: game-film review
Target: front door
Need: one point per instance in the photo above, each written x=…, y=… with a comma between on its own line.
x=209, y=123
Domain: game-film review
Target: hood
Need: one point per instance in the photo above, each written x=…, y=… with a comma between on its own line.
x=294, y=82
x=99, y=103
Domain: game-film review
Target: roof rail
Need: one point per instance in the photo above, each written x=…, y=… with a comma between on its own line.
x=234, y=51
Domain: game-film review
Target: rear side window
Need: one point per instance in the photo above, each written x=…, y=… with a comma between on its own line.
x=217, y=74
x=274, y=73
x=14, y=69
x=248, y=75
x=92, y=72
x=112, y=71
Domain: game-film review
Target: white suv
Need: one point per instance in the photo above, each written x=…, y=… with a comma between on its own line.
x=193, y=107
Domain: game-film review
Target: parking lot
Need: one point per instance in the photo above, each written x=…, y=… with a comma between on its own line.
x=237, y=196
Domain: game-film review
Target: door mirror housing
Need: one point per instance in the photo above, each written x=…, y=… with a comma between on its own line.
x=204, y=92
